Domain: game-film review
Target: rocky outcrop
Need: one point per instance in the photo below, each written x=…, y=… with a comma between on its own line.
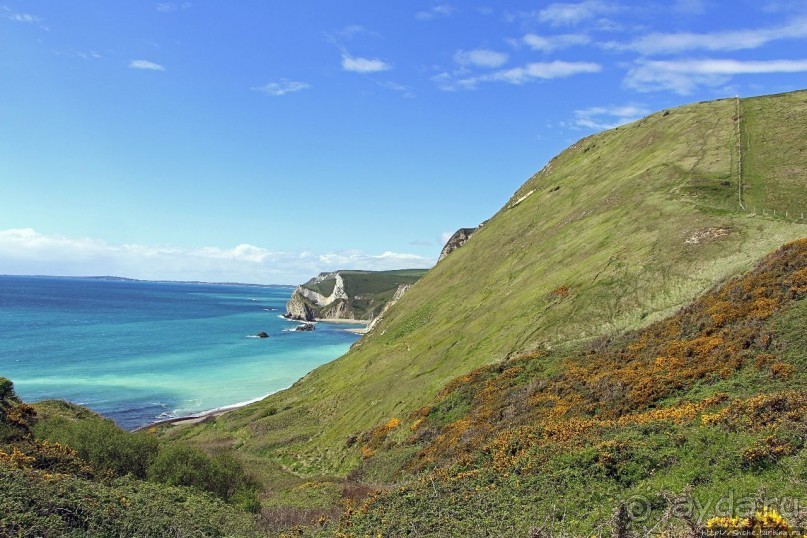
x=403, y=288
x=262, y=334
x=339, y=309
x=316, y=297
x=305, y=327
x=360, y=295
x=299, y=308
x=459, y=238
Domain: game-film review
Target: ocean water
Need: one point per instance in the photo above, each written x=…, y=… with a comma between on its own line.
x=138, y=352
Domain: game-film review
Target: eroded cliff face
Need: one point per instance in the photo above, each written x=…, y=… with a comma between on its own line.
x=319, y=299
x=403, y=288
x=359, y=295
x=339, y=309
x=307, y=304
x=459, y=238
x=298, y=307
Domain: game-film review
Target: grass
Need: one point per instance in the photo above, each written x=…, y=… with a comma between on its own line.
x=694, y=416
x=773, y=150
x=619, y=231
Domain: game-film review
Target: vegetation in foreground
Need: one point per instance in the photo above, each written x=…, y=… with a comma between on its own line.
x=685, y=428
x=64, y=471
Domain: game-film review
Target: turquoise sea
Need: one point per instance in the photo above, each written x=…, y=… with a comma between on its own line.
x=138, y=351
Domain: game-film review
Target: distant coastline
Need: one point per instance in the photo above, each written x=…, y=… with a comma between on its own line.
x=112, y=278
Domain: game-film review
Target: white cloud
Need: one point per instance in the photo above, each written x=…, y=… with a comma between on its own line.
x=281, y=88
x=363, y=65
x=567, y=14
x=146, y=65
x=602, y=117
x=672, y=43
x=436, y=12
x=481, y=58
x=545, y=70
x=26, y=18
x=555, y=42
x=517, y=75
x=684, y=76
x=353, y=259
x=25, y=251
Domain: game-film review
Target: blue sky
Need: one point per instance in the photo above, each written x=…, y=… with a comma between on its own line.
x=265, y=141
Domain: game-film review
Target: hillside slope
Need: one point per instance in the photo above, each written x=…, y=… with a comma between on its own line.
x=619, y=230
x=706, y=409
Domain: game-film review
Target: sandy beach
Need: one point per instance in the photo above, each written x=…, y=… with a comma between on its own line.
x=200, y=417
x=348, y=322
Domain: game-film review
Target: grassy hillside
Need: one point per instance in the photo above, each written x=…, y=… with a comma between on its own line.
x=618, y=231
x=703, y=414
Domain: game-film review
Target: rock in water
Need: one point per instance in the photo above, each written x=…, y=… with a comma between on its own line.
x=305, y=327
x=262, y=334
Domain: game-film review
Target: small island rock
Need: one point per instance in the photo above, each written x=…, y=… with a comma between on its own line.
x=262, y=334
x=305, y=327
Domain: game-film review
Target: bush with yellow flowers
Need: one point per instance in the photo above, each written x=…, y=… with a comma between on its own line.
x=765, y=523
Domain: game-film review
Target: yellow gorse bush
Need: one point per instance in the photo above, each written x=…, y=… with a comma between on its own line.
x=764, y=523
x=17, y=458
x=615, y=387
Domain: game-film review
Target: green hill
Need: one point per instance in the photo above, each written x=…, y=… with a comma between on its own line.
x=700, y=415
x=619, y=231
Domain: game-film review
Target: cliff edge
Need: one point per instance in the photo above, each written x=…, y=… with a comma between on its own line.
x=359, y=295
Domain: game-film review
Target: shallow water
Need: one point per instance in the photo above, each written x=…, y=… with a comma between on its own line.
x=138, y=351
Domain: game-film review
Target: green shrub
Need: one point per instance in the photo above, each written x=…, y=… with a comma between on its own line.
x=7, y=391
x=221, y=475
x=103, y=444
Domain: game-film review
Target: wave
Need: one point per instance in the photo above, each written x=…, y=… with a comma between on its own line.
x=199, y=414
x=237, y=405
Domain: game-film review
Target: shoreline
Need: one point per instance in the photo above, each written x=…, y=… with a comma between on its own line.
x=343, y=321
x=340, y=321
x=204, y=416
